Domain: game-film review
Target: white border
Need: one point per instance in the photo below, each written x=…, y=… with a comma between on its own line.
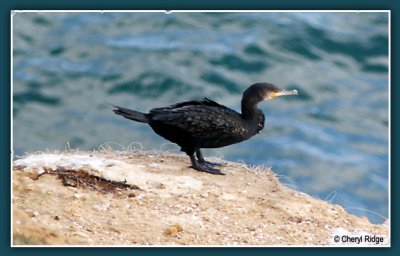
x=389, y=126
x=13, y=12
x=11, y=125
x=178, y=11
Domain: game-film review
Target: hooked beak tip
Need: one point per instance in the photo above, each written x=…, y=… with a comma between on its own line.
x=284, y=93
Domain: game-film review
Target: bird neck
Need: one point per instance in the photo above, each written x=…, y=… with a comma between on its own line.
x=249, y=108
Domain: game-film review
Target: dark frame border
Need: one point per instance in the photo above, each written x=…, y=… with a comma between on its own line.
x=5, y=100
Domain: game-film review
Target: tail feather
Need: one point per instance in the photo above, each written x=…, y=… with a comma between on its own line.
x=131, y=114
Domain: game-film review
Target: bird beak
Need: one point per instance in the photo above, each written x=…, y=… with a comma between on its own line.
x=284, y=93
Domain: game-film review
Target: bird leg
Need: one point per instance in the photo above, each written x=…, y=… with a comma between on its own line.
x=202, y=160
x=203, y=167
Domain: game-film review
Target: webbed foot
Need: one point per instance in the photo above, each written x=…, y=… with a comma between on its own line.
x=202, y=167
x=203, y=161
x=210, y=163
x=207, y=169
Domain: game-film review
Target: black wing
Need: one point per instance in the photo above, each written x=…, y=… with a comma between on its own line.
x=204, y=119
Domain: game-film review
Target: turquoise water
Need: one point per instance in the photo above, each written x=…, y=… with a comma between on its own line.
x=331, y=141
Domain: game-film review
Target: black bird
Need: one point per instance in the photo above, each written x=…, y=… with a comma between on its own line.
x=206, y=124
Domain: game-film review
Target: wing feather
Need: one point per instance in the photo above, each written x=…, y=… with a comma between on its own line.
x=204, y=119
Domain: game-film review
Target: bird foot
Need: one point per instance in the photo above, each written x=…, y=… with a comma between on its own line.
x=210, y=163
x=207, y=169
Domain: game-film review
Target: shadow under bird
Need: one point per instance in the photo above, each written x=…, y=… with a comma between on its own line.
x=206, y=124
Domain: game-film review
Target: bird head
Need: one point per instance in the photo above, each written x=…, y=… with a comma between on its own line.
x=266, y=91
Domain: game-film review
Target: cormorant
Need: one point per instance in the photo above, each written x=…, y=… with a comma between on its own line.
x=206, y=124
